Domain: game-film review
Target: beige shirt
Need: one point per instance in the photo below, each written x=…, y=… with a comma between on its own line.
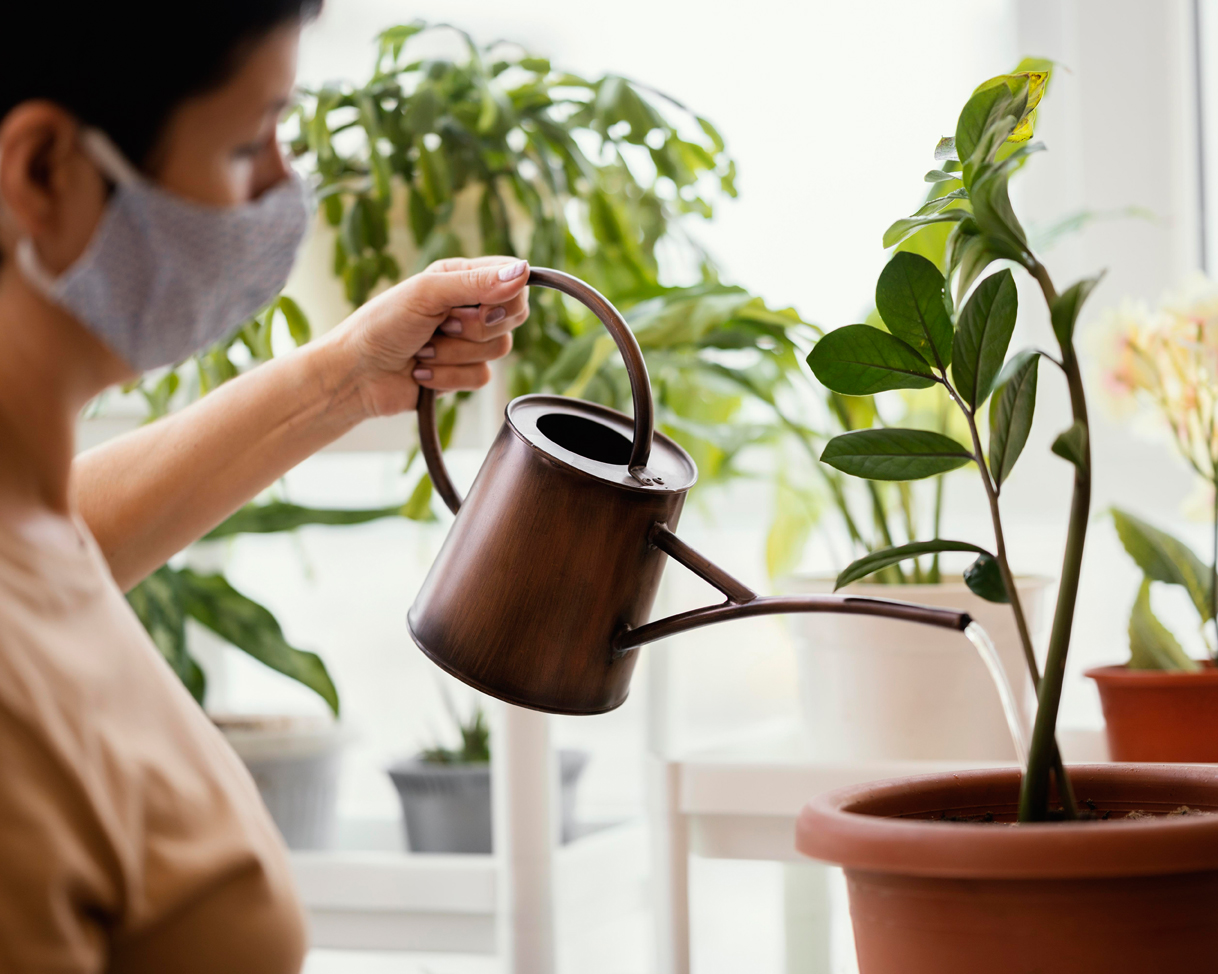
x=132, y=839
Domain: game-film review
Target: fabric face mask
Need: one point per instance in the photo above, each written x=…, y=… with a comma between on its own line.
x=162, y=276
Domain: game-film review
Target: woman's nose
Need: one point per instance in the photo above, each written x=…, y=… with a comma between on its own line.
x=270, y=168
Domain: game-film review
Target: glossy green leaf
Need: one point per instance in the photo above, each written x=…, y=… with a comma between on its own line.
x=157, y=602
x=939, y=176
x=298, y=323
x=1011, y=412
x=984, y=579
x=1164, y=558
x=979, y=114
x=1152, y=646
x=909, y=297
x=906, y=226
x=878, y=560
x=418, y=504
x=983, y=333
x=275, y=516
x=1067, y=307
x=859, y=360
x=894, y=454
x=1072, y=445
x=239, y=620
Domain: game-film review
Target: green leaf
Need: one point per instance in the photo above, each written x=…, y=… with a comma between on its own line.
x=1152, y=646
x=1066, y=308
x=275, y=516
x=418, y=505
x=1011, y=412
x=422, y=218
x=298, y=323
x=946, y=149
x=984, y=579
x=1164, y=558
x=796, y=513
x=909, y=297
x=859, y=360
x=912, y=224
x=157, y=602
x=894, y=454
x=939, y=176
x=983, y=333
x=212, y=601
x=1072, y=445
x=877, y=560
x=979, y=114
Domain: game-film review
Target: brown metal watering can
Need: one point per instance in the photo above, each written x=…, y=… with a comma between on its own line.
x=543, y=588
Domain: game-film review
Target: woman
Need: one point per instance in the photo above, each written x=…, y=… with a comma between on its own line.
x=146, y=210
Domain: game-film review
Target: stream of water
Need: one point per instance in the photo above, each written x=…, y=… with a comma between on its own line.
x=1010, y=709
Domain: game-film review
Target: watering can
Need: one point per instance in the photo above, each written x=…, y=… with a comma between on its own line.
x=543, y=589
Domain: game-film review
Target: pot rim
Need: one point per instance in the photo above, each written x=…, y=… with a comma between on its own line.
x=858, y=828
x=1122, y=675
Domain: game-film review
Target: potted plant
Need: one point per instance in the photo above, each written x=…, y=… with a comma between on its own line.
x=1098, y=874
x=1163, y=704
x=446, y=792
x=864, y=680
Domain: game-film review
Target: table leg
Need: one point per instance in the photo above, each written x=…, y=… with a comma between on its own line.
x=669, y=868
x=523, y=799
x=808, y=917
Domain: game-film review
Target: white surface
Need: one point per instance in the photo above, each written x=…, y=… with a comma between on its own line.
x=874, y=688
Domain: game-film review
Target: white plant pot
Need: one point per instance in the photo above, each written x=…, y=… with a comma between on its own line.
x=874, y=689
x=295, y=763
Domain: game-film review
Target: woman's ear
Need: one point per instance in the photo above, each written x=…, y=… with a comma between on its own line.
x=50, y=191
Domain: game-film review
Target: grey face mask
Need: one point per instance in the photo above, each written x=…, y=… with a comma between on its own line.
x=163, y=276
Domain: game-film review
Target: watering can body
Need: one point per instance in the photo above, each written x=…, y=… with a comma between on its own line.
x=544, y=586
x=548, y=560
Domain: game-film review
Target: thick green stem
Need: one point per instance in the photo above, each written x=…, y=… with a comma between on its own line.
x=1008, y=582
x=935, y=575
x=1034, y=795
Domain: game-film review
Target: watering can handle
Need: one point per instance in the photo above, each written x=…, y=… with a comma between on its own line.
x=636, y=369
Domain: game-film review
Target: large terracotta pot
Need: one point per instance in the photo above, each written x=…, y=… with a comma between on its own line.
x=1120, y=896
x=1159, y=715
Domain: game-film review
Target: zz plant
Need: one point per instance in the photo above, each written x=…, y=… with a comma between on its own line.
x=930, y=339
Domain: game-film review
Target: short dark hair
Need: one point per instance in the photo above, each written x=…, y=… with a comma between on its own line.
x=123, y=66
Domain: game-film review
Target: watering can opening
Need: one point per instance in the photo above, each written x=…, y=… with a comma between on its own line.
x=586, y=437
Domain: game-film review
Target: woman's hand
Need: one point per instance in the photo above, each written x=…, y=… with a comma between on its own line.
x=438, y=329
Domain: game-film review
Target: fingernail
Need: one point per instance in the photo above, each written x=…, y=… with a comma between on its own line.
x=513, y=271
x=427, y=351
x=421, y=374
x=495, y=316
x=451, y=327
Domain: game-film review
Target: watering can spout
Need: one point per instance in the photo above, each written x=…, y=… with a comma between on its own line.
x=545, y=584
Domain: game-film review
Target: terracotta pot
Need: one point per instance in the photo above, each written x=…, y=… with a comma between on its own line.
x=1109, y=897
x=1159, y=715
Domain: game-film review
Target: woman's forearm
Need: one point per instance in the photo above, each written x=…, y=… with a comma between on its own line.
x=150, y=493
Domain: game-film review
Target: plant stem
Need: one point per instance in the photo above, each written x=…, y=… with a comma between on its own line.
x=1008, y=581
x=1034, y=795
x=935, y=575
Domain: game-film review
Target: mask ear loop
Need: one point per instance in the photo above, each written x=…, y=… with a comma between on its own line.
x=114, y=166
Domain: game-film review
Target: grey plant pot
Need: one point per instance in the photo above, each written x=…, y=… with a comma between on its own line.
x=295, y=764
x=447, y=807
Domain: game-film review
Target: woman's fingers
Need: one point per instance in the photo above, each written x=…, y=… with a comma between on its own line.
x=486, y=321
x=452, y=378
x=442, y=350
x=439, y=292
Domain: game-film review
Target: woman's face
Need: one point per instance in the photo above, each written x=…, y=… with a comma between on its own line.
x=220, y=147
x=217, y=148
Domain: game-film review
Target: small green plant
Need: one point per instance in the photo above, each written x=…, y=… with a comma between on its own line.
x=475, y=737
x=958, y=341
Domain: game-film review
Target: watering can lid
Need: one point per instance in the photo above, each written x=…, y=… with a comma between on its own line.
x=554, y=425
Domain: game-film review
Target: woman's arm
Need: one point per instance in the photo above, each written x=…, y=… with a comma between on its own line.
x=148, y=494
